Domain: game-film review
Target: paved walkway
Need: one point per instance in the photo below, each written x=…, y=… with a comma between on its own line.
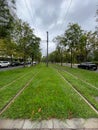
x=77, y=124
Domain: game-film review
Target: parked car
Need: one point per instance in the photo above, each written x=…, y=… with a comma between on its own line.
x=4, y=63
x=88, y=66
x=34, y=62
x=22, y=63
x=15, y=63
x=28, y=62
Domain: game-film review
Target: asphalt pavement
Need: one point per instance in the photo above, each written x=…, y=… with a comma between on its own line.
x=74, y=66
x=10, y=68
x=64, y=64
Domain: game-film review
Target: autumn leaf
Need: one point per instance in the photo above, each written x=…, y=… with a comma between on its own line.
x=39, y=110
x=32, y=112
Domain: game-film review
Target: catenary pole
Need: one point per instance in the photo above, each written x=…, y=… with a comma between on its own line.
x=47, y=48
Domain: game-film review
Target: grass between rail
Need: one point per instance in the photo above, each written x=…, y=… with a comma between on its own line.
x=86, y=75
x=86, y=90
x=8, y=76
x=8, y=92
x=48, y=96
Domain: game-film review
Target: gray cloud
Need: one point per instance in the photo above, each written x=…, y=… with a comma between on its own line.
x=84, y=10
x=51, y=15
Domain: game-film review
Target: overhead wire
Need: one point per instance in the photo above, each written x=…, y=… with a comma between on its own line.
x=66, y=14
x=26, y=5
x=28, y=9
x=60, y=27
x=22, y=11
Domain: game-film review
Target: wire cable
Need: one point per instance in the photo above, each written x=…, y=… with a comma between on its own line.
x=29, y=11
x=66, y=14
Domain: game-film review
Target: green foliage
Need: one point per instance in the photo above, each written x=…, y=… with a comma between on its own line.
x=76, y=45
x=34, y=48
x=73, y=35
x=17, y=39
x=28, y=44
x=6, y=19
x=60, y=49
x=96, y=55
x=97, y=21
x=55, y=57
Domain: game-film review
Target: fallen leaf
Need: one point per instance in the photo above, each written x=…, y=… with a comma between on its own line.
x=32, y=112
x=39, y=110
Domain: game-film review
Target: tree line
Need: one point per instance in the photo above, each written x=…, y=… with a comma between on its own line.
x=17, y=38
x=75, y=45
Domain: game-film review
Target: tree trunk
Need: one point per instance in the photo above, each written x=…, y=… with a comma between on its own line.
x=86, y=54
x=32, y=60
x=11, y=59
x=61, y=57
x=24, y=61
x=71, y=57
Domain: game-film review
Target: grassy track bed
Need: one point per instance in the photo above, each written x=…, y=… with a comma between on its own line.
x=86, y=75
x=9, y=92
x=88, y=92
x=8, y=76
x=48, y=96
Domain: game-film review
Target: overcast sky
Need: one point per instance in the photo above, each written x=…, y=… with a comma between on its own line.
x=54, y=16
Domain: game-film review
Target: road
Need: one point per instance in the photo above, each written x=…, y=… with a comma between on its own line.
x=10, y=68
x=96, y=70
x=74, y=66
x=64, y=64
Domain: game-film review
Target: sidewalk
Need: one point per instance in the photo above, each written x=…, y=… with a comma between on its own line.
x=77, y=124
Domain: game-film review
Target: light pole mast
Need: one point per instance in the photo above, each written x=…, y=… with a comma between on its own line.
x=47, y=48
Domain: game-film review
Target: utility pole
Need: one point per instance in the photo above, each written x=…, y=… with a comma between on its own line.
x=47, y=48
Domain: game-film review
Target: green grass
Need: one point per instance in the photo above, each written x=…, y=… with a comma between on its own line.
x=7, y=93
x=8, y=76
x=48, y=96
x=89, y=92
x=86, y=75
x=84, y=89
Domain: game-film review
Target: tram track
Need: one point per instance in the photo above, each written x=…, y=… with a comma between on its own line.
x=7, y=105
x=78, y=92
x=20, y=77
x=89, y=84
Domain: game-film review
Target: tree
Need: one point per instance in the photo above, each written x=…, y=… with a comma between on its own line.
x=6, y=18
x=92, y=41
x=34, y=48
x=77, y=44
x=97, y=21
x=8, y=48
x=60, y=47
x=22, y=35
x=96, y=51
x=16, y=37
x=54, y=57
x=82, y=49
x=72, y=37
x=6, y=26
x=28, y=44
